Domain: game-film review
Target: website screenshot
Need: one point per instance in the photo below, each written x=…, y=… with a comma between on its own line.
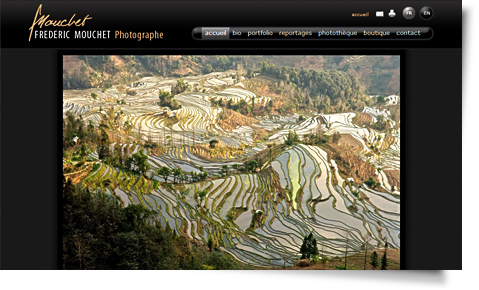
x=230, y=135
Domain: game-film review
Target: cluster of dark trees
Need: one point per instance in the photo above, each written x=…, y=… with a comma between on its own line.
x=99, y=233
x=250, y=165
x=120, y=156
x=138, y=162
x=381, y=125
x=167, y=98
x=374, y=260
x=372, y=183
x=243, y=107
x=91, y=137
x=75, y=127
x=180, y=87
x=315, y=138
x=309, y=248
x=292, y=138
x=86, y=137
x=200, y=176
x=320, y=90
x=180, y=177
x=240, y=107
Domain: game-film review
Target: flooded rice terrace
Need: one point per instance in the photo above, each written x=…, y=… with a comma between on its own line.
x=259, y=217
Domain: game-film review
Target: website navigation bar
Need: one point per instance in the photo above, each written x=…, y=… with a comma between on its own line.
x=312, y=33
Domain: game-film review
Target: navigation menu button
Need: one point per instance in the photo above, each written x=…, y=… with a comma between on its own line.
x=409, y=13
x=426, y=13
x=214, y=33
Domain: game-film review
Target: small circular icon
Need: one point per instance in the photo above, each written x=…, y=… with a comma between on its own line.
x=426, y=13
x=409, y=13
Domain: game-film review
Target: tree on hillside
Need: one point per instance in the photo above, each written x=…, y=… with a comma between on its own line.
x=373, y=260
x=81, y=133
x=269, y=106
x=138, y=162
x=202, y=175
x=380, y=101
x=269, y=150
x=384, y=260
x=225, y=169
x=213, y=143
x=249, y=73
x=202, y=194
x=309, y=247
x=83, y=151
x=127, y=126
x=165, y=172
x=164, y=96
x=210, y=243
x=252, y=164
x=166, y=99
x=176, y=174
x=292, y=138
x=207, y=68
x=119, y=154
x=180, y=87
x=235, y=166
x=104, y=147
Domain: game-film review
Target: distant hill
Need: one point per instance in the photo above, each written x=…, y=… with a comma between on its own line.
x=378, y=75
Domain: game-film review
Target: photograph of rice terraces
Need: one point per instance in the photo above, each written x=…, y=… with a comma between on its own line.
x=231, y=162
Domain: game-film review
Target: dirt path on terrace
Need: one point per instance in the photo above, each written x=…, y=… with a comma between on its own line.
x=234, y=119
x=349, y=163
x=76, y=177
x=350, y=142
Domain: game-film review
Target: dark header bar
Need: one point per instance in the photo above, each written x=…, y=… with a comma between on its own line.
x=151, y=25
x=312, y=33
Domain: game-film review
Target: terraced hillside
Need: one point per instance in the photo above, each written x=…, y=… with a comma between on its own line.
x=261, y=218
x=241, y=190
